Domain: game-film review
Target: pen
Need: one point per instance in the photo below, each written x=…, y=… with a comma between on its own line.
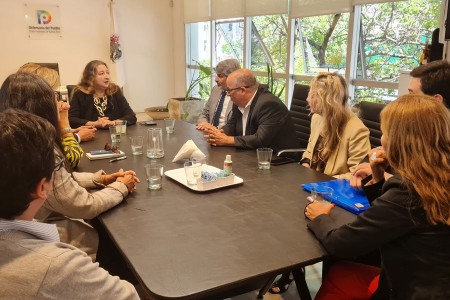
x=116, y=159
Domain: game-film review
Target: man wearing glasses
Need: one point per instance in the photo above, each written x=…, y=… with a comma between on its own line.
x=217, y=109
x=258, y=118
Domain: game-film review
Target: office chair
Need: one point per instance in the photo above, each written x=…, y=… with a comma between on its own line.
x=301, y=118
x=369, y=113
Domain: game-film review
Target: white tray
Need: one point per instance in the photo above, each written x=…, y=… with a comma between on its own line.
x=180, y=176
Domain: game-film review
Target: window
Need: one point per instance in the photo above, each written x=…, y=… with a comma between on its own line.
x=369, y=46
x=229, y=40
x=198, y=47
x=392, y=36
x=320, y=44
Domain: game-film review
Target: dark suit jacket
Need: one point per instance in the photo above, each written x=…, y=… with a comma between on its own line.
x=268, y=124
x=415, y=254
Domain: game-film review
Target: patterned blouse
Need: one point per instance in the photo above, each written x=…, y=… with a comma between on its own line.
x=73, y=151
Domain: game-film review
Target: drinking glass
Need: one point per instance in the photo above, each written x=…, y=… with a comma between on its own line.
x=155, y=148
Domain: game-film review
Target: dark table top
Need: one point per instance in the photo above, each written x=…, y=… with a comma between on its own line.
x=189, y=245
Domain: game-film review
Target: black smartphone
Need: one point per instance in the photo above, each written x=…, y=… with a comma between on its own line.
x=147, y=123
x=276, y=161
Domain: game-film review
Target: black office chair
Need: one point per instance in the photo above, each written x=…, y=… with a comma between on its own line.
x=70, y=88
x=369, y=113
x=300, y=116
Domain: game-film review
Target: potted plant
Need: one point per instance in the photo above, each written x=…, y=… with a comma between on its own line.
x=188, y=108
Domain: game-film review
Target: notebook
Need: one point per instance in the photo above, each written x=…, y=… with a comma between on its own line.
x=343, y=195
x=102, y=154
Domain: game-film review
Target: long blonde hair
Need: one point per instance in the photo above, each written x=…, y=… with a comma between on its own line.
x=330, y=89
x=86, y=84
x=417, y=133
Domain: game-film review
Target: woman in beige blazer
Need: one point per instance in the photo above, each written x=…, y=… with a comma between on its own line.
x=338, y=141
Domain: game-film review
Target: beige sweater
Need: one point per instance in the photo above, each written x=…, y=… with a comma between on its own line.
x=73, y=197
x=35, y=269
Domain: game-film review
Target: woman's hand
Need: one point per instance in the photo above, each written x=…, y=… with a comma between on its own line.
x=110, y=178
x=378, y=164
x=129, y=180
x=102, y=122
x=361, y=172
x=315, y=209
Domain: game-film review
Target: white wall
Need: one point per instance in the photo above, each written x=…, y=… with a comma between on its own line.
x=146, y=36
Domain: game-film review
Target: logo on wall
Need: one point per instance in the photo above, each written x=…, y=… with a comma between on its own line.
x=43, y=17
x=43, y=21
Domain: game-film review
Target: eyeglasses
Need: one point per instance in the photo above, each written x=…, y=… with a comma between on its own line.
x=59, y=162
x=228, y=91
x=57, y=95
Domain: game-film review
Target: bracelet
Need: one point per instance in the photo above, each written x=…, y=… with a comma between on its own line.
x=66, y=130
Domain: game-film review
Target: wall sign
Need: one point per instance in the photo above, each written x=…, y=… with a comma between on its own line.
x=43, y=21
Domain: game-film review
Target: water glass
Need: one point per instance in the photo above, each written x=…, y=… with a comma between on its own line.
x=170, y=125
x=154, y=174
x=264, y=158
x=137, y=144
x=155, y=148
x=193, y=170
x=115, y=132
x=202, y=160
x=321, y=193
x=123, y=126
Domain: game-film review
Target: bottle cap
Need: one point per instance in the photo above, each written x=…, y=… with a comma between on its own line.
x=228, y=157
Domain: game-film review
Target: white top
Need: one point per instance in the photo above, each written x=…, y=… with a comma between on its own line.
x=245, y=111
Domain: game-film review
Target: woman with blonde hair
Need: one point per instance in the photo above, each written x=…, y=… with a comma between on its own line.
x=338, y=141
x=70, y=143
x=96, y=101
x=409, y=217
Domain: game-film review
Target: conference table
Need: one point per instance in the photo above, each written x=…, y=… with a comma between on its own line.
x=184, y=244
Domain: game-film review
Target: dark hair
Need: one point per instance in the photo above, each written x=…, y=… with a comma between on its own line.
x=33, y=94
x=86, y=84
x=27, y=145
x=434, y=79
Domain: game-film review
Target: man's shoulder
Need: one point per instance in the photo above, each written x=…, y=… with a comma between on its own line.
x=17, y=245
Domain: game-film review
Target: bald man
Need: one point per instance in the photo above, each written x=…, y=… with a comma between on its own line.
x=258, y=118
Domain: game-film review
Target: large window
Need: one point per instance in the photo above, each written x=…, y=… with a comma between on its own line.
x=370, y=46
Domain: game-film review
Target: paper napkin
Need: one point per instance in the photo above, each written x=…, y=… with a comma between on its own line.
x=188, y=150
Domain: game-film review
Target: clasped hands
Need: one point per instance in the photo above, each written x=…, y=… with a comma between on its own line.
x=102, y=122
x=128, y=178
x=215, y=136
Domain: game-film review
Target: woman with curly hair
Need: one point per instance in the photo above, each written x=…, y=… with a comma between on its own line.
x=96, y=101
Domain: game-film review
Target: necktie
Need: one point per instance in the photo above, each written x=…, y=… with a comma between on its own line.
x=219, y=108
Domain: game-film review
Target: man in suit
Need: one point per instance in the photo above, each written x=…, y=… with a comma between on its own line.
x=218, y=108
x=258, y=118
x=34, y=264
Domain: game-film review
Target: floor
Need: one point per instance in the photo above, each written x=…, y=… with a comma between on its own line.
x=313, y=279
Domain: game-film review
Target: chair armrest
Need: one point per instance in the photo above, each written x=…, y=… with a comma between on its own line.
x=299, y=150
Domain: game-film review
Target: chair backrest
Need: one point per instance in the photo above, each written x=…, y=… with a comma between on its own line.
x=70, y=88
x=369, y=113
x=300, y=114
